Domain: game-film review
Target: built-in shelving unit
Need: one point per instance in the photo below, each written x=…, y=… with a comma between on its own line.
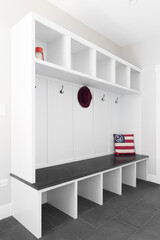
x=68, y=59
x=82, y=61
x=50, y=127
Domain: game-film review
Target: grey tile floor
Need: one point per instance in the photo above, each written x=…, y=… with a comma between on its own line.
x=133, y=216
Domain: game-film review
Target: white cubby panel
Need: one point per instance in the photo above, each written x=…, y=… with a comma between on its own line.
x=60, y=123
x=83, y=58
x=129, y=175
x=56, y=46
x=101, y=123
x=105, y=67
x=83, y=129
x=91, y=188
x=41, y=121
x=141, y=170
x=122, y=75
x=64, y=198
x=135, y=80
x=112, y=181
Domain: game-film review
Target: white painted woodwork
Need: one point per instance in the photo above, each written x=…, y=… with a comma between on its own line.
x=55, y=45
x=23, y=100
x=122, y=75
x=44, y=197
x=135, y=80
x=55, y=71
x=105, y=68
x=27, y=206
x=56, y=51
x=101, y=123
x=112, y=181
x=41, y=113
x=71, y=59
x=115, y=119
x=60, y=123
x=141, y=170
x=83, y=129
x=65, y=199
x=82, y=58
x=131, y=111
x=91, y=189
x=157, y=70
x=129, y=175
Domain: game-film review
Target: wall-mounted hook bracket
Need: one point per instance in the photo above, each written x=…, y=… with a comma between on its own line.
x=117, y=100
x=103, y=98
x=62, y=90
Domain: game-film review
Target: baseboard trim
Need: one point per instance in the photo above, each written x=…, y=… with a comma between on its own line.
x=153, y=178
x=6, y=211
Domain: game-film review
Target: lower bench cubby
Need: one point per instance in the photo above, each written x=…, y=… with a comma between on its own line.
x=42, y=210
x=129, y=175
x=91, y=188
x=112, y=181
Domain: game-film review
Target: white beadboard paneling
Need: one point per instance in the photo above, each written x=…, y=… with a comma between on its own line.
x=83, y=129
x=132, y=118
x=60, y=122
x=41, y=121
x=101, y=123
x=115, y=119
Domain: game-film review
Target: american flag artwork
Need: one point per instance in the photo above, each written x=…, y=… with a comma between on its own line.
x=124, y=144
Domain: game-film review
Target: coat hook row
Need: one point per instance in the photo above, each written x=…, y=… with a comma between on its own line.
x=62, y=90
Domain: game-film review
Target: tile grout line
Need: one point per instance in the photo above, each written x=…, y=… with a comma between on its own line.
x=142, y=226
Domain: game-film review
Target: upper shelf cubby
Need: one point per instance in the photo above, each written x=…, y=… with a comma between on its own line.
x=135, y=80
x=105, y=67
x=54, y=44
x=70, y=58
x=82, y=58
x=122, y=74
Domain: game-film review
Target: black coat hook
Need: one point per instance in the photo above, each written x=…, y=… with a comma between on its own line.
x=62, y=90
x=117, y=100
x=103, y=98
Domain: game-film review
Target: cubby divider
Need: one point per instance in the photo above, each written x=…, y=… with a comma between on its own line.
x=64, y=198
x=91, y=188
x=122, y=75
x=141, y=170
x=112, y=181
x=56, y=46
x=129, y=175
x=105, y=67
x=83, y=58
x=135, y=80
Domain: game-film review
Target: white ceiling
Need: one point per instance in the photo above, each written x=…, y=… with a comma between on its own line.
x=115, y=19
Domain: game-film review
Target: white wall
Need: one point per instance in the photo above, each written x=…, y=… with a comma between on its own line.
x=146, y=54
x=10, y=13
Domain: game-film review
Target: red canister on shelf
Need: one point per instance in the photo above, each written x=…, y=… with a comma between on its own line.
x=39, y=53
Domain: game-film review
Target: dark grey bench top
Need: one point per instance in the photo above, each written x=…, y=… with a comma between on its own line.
x=51, y=176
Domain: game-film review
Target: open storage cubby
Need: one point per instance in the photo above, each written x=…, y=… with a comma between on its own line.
x=141, y=170
x=129, y=175
x=82, y=59
x=63, y=198
x=54, y=44
x=105, y=67
x=91, y=188
x=112, y=181
x=122, y=75
x=135, y=80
